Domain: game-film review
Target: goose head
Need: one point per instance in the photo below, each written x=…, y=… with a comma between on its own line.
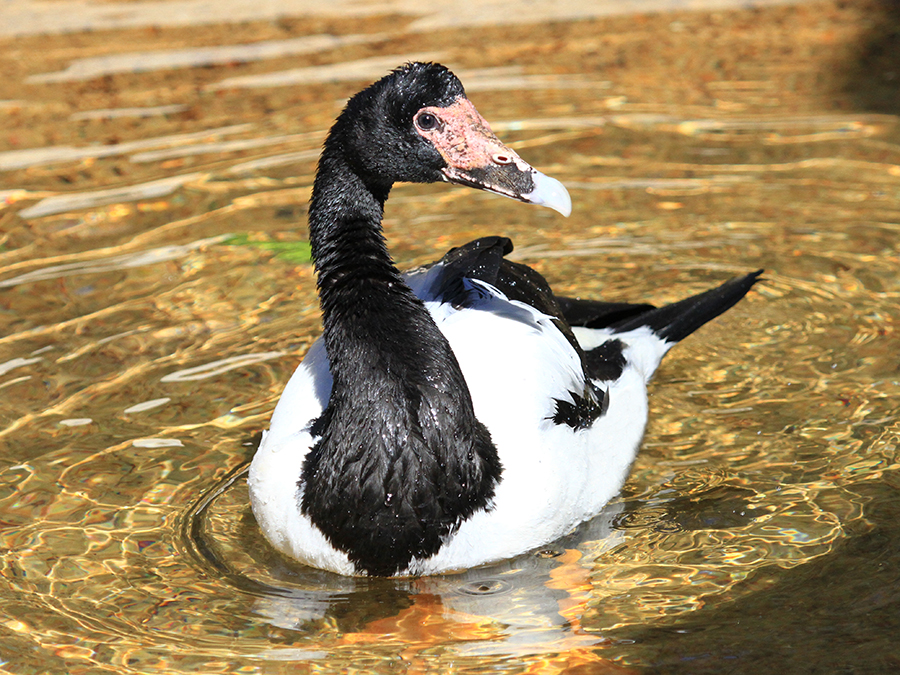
x=417, y=125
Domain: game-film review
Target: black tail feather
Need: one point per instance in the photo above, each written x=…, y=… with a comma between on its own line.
x=598, y=314
x=484, y=259
x=678, y=320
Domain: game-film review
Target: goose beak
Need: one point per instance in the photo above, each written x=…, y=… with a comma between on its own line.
x=475, y=157
x=548, y=192
x=517, y=181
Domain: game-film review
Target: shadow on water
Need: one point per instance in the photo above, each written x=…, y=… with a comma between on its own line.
x=872, y=73
x=849, y=625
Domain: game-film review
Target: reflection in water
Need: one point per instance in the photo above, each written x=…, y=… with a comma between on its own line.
x=112, y=113
x=118, y=262
x=141, y=62
x=479, y=79
x=22, y=159
x=155, y=295
x=72, y=202
x=146, y=405
x=515, y=608
x=25, y=17
x=352, y=71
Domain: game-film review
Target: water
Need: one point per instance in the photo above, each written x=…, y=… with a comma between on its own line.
x=155, y=296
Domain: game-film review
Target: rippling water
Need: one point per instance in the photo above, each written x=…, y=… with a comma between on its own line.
x=155, y=295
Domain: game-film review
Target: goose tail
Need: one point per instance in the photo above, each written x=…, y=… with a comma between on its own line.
x=616, y=336
x=676, y=321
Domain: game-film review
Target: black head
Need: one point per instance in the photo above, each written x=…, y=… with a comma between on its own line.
x=417, y=125
x=376, y=131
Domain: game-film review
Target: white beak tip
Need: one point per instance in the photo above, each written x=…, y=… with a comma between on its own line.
x=549, y=192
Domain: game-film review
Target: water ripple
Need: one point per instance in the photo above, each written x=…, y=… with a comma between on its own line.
x=118, y=262
x=142, y=62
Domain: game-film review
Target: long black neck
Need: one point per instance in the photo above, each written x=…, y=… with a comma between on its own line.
x=352, y=261
x=401, y=459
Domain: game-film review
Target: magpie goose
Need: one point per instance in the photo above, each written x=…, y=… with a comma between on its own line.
x=460, y=413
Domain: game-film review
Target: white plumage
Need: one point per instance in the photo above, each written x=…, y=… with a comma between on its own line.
x=554, y=477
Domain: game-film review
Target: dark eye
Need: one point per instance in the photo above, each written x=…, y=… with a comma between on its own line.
x=427, y=122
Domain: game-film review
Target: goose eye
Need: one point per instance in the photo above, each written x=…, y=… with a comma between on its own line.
x=427, y=122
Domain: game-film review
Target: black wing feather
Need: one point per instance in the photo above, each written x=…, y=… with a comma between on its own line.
x=483, y=259
x=598, y=314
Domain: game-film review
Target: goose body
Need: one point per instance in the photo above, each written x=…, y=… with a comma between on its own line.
x=460, y=413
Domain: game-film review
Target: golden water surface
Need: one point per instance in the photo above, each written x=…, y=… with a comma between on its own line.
x=156, y=294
